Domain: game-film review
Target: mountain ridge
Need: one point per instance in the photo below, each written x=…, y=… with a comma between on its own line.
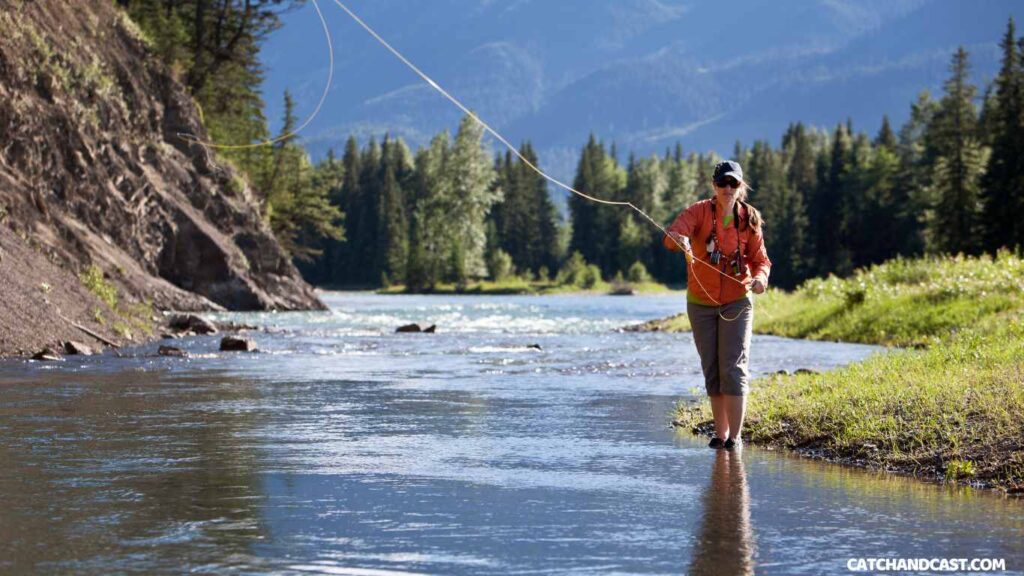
x=696, y=72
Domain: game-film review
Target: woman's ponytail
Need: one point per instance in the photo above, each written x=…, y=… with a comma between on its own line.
x=754, y=219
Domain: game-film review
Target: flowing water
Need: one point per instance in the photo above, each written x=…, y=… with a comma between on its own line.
x=344, y=448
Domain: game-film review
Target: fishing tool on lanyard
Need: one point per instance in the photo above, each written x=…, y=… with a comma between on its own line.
x=736, y=265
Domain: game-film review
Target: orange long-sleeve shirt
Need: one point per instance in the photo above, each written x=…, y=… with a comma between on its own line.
x=704, y=284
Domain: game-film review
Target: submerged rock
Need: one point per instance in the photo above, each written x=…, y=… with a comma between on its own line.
x=237, y=344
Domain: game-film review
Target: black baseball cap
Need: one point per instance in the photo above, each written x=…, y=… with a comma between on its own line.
x=728, y=168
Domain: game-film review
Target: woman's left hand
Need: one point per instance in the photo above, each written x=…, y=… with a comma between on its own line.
x=757, y=286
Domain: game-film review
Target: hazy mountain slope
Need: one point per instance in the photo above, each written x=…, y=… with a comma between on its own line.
x=642, y=72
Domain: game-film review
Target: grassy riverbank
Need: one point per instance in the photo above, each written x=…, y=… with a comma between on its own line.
x=949, y=406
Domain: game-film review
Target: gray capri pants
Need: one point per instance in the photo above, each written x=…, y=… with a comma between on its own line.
x=724, y=347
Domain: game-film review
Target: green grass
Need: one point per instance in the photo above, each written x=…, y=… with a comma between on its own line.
x=902, y=302
x=128, y=315
x=949, y=407
x=93, y=280
x=69, y=71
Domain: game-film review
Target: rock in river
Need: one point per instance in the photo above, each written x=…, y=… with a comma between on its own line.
x=193, y=323
x=417, y=328
x=237, y=344
x=171, y=351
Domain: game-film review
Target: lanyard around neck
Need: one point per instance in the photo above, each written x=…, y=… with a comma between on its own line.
x=736, y=223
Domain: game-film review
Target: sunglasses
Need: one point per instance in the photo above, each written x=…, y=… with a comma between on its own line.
x=727, y=183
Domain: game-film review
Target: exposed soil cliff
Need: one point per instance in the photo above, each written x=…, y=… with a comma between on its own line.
x=93, y=173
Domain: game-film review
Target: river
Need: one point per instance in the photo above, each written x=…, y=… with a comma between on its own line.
x=344, y=448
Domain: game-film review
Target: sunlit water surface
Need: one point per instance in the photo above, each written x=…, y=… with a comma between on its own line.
x=344, y=448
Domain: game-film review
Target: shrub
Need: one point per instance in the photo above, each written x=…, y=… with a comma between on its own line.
x=499, y=265
x=573, y=271
x=959, y=469
x=637, y=273
x=93, y=280
x=592, y=277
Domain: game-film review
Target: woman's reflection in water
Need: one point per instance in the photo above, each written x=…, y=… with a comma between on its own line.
x=725, y=541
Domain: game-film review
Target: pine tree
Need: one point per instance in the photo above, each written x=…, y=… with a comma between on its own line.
x=917, y=155
x=366, y=247
x=345, y=260
x=393, y=226
x=544, y=247
x=785, y=221
x=513, y=215
x=886, y=137
x=756, y=168
x=742, y=154
x=705, y=170
x=583, y=213
x=166, y=26
x=282, y=153
x=801, y=181
x=526, y=220
x=825, y=211
x=645, y=186
x=958, y=170
x=887, y=218
x=680, y=187
x=328, y=175
x=298, y=208
x=855, y=228
x=315, y=218
x=1003, y=183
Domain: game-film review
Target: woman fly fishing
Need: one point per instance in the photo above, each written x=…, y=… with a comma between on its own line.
x=727, y=261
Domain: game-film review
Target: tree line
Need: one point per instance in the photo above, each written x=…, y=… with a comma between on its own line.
x=949, y=180
x=448, y=213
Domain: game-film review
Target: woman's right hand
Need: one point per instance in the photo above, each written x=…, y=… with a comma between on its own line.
x=683, y=241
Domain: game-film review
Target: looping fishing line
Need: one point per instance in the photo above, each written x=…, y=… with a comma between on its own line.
x=543, y=174
x=207, y=144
